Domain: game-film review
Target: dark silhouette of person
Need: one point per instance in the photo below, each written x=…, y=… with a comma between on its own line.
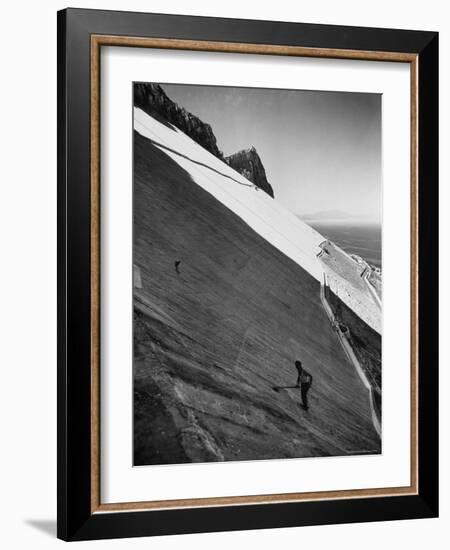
x=304, y=382
x=177, y=266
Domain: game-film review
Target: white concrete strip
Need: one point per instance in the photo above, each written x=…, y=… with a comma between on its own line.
x=372, y=291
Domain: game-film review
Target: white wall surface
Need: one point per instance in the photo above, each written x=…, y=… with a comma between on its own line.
x=28, y=274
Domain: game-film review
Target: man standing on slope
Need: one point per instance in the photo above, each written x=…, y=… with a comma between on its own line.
x=304, y=382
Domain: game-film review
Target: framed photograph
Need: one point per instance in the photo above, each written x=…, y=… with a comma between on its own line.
x=247, y=252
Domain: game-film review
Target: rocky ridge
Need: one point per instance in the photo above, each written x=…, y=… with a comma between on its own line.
x=153, y=100
x=248, y=163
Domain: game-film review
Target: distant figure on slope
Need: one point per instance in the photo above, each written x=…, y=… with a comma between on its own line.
x=304, y=382
x=177, y=266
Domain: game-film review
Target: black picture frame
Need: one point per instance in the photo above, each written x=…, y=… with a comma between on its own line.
x=76, y=521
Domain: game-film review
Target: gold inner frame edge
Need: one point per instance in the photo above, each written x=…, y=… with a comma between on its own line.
x=97, y=41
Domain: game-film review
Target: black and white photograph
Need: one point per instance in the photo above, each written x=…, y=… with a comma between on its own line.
x=223, y=299
x=257, y=267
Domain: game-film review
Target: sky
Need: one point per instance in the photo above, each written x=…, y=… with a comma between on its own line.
x=321, y=150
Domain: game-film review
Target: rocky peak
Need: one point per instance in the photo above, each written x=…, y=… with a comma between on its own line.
x=248, y=163
x=152, y=99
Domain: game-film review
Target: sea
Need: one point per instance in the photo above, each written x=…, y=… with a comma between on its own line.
x=355, y=238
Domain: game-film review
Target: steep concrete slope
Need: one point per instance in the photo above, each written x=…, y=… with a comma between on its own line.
x=268, y=217
x=220, y=316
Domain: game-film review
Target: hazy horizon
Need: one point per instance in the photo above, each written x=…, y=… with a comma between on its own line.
x=321, y=150
x=337, y=217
